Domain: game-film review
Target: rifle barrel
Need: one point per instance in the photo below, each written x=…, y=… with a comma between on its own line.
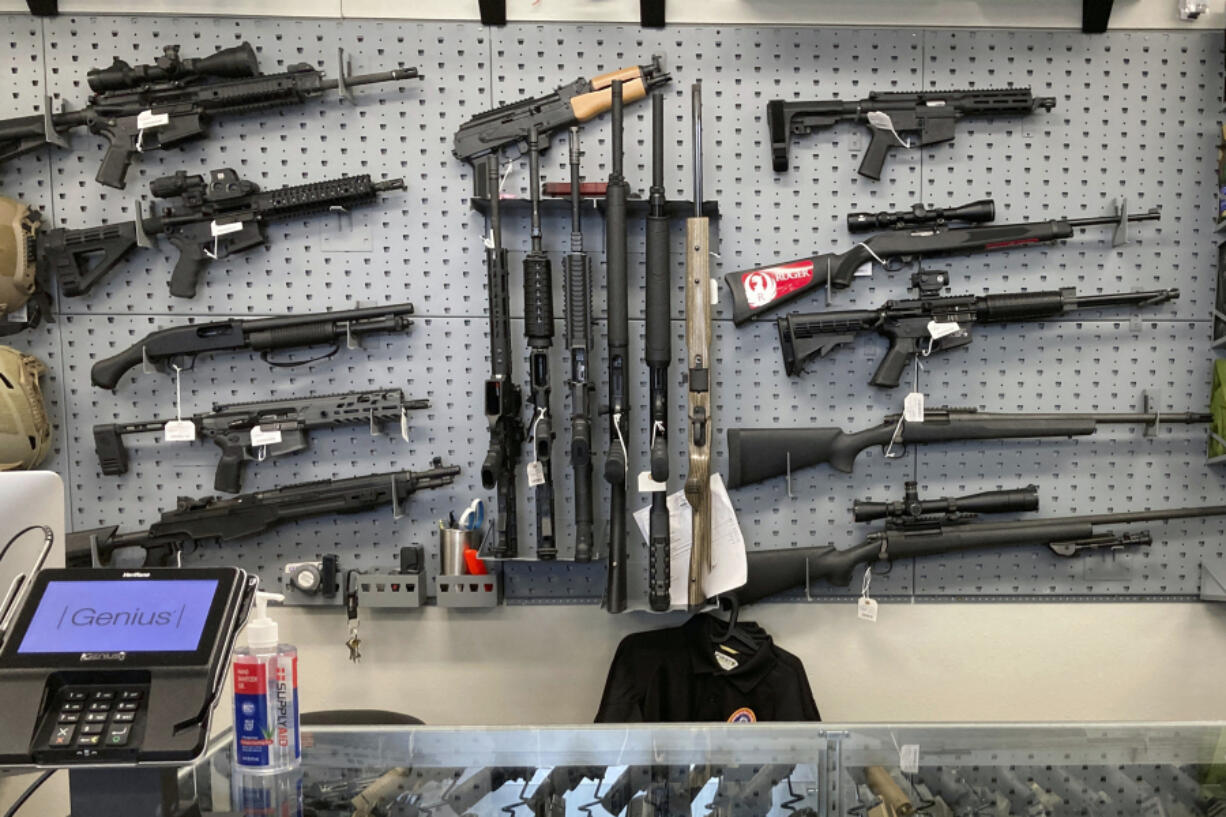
x=371, y=79
x=1125, y=299
x=1153, y=214
x=348, y=315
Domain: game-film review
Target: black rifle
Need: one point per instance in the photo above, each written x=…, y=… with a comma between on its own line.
x=248, y=432
x=482, y=138
x=503, y=397
x=215, y=218
x=151, y=107
x=930, y=324
x=763, y=289
x=757, y=454
x=538, y=330
x=617, y=286
x=908, y=535
x=934, y=114
x=658, y=354
x=977, y=212
x=179, y=346
x=579, y=338
x=211, y=518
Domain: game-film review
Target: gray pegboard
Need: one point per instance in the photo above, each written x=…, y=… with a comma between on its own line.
x=1134, y=118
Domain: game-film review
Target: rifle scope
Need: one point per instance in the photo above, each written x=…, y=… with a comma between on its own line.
x=239, y=61
x=912, y=508
x=977, y=212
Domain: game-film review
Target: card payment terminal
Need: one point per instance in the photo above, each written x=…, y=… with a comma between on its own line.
x=110, y=666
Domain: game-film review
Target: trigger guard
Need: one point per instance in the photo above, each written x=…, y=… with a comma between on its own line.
x=895, y=263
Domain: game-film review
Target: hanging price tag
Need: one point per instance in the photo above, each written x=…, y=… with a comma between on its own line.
x=866, y=609
x=225, y=229
x=938, y=329
x=148, y=119
x=647, y=485
x=262, y=436
x=404, y=425
x=536, y=474
x=908, y=758
x=714, y=292
x=179, y=431
x=913, y=407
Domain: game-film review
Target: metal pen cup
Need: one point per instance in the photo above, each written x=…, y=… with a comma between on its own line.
x=452, y=543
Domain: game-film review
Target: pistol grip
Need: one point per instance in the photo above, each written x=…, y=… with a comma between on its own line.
x=115, y=163
x=874, y=155
x=185, y=279
x=229, y=476
x=889, y=372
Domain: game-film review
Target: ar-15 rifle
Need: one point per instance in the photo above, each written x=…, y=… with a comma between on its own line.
x=617, y=285
x=757, y=454
x=210, y=518
x=948, y=526
x=480, y=140
x=171, y=102
x=933, y=113
x=178, y=346
x=247, y=432
x=763, y=289
x=579, y=340
x=658, y=354
x=930, y=323
x=215, y=218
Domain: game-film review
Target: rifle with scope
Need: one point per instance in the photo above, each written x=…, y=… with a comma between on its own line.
x=178, y=346
x=171, y=102
x=251, y=432
x=915, y=528
x=217, y=215
x=211, y=518
x=758, y=454
x=760, y=290
x=930, y=324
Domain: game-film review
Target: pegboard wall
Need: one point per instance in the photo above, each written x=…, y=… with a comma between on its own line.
x=1135, y=118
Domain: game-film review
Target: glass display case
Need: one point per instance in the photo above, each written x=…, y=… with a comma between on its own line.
x=806, y=770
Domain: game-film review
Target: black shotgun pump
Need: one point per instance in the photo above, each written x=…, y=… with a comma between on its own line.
x=658, y=354
x=538, y=329
x=579, y=339
x=619, y=348
x=503, y=398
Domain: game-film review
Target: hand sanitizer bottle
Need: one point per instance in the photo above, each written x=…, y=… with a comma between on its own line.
x=266, y=733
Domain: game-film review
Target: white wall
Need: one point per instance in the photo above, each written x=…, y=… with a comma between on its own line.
x=946, y=13
x=919, y=662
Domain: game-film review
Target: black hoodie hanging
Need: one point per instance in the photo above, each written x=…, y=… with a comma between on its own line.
x=685, y=673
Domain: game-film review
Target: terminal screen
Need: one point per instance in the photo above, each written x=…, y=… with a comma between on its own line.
x=120, y=616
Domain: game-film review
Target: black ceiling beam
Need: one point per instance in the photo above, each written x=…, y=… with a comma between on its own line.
x=493, y=12
x=651, y=13
x=1094, y=15
x=44, y=8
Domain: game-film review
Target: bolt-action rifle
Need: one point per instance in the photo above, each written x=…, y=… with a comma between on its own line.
x=915, y=528
x=757, y=454
x=171, y=102
x=763, y=289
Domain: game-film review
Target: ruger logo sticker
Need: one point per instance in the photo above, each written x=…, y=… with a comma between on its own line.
x=762, y=286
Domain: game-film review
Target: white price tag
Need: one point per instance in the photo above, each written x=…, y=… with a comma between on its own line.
x=866, y=609
x=908, y=758
x=714, y=292
x=404, y=425
x=647, y=485
x=536, y=474
x=179, y=431
x=939, y=330
x=19, y=315
x=148, y=119
x=224, y=229
x=263, y=436
x=864, y=270
x=913, y=407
